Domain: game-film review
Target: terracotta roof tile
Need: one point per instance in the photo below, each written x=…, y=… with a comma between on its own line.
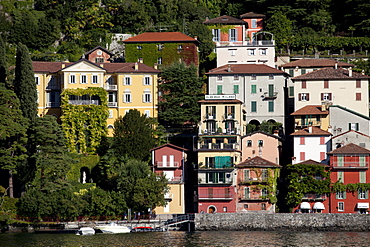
x=350, y=149
x=252, y=15
x=311, y=162
x=310, y=110
x=315, y=132
x=225, y=19
x=315, y=63
x=160, y=37
x=245, y=69
x=330, y=73
x=257, y=162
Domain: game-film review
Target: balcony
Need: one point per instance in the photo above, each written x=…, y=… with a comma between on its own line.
x=231, y=131
x=305, y=124
x=350, y=165
x=215, y=166
x=53, y=86
x=52, y=104
x=253, y=180
x=210, y=116
x=168, y=165
x=211, y=196
x=218, y=146
x=168, y=196
x=175, y=180
x=111, y=87
x=314, y=197
x=112, y=104
x=267, y=95
x=83, y=102
x=229, y=116
x=245, y=43
x=252, y=198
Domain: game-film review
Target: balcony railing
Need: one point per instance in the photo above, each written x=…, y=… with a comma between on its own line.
x=218, y=146
x=252, y=198
x=209, y=196
x=52, y=104
x=168, y=196
x=168, y=164
x=229, y=116
x=83, y=102
x=175, y=180
x=111, y=87
x=307, y=123
x=226, y=181
x=231, y=131
x=210, y=117
x=253, y=180
x=215, y=166
x=245, y=43
x=112, y=104
x=350, y=165
x=266, y=95
x=314, y=197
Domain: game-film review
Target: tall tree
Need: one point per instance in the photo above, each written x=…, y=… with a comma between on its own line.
x=24, y=84
x=3, y=70
x=281, y=27
x=133, y=135
x=182, y=89
x=13, y=127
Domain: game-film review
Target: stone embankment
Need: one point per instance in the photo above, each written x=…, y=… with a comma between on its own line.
x=281, y=222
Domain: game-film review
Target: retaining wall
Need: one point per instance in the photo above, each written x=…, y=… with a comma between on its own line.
x=281, y=221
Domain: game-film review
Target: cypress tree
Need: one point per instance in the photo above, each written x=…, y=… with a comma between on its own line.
x=24, y=84
x=3, y=70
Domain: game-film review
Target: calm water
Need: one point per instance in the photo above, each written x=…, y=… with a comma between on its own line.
x=220, y=238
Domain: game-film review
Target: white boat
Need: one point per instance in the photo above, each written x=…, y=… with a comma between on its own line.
x=85, y=231
x=113, y=228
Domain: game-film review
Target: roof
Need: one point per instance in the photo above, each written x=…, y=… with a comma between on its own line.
x=315, y=63
x=311, y=162
x=350, y=111
x=350, y=131
x=171, y=146
x=100, y=48
x=257, y=162
x=245, y=69
x=252, y=15
x=261, y=132
x=225, y=19
x=330, y=73
x=226, y=101
x=350, y=149
x=54, y=67
x=315, y=132
x=310, y=110
x=160, y=37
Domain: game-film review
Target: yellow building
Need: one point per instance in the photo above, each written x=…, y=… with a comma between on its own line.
x=128, y=86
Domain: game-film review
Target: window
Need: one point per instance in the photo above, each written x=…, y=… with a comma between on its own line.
x=245, y=206
x=340, y=195
x=83, y=79
x=326, y=96
x=362, y=160
x=264, y=192
x=260, y=143
x=37, y=80
x=271, y=106
x=246, y=175
x=340, y=206
x=263, y=52
x=302, y=156
x=94, y=79
x=249, y=143
x=236, y=89
x=99, y=60
x=264, y=176
x=358, y=83
x=326, y=83
x=236, y=77
x=358, y=96
x=110, y=114
x=253, y=88
x=263, y=206
x=340, y=176
x=362, y=175
x=127, y=81
x=72, y=79
x=303, y=71
x=232, y=35
x=139, y=47
x=160, y=47
x=303, y=97
x=254, y=23
x=271, y=90
x=291, y=91
x=251, y=52
x=179, y=48
x=147, y=80
x=353, y=126
x=147, y=113
x=304, y=84
x=362, y=194
x=271, y=76
x=219, y=77
x=322, y=140
x=110, y=127
x=322, y=156
x=219, y=89
x=254, y=106
x=232, y=52
x=159, y=60
x=225, y=209
x=291, y=72
x=147, y=98
x=254, y=77
x=302, y=140
x=216, y=34
x=127, y=98
x=246, y=193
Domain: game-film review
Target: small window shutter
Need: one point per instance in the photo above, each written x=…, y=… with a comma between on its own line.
x=299, y=97
x=344, y=195
x=366, y=194
x=322, y=96
x=144, y=97
x=229, y=34
x=308, y=97
x=358, y=194
x=329, y=96
x=349, y=126
x=356, y=126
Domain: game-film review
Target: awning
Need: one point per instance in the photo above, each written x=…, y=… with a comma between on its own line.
x=305, y=205
x=319, y=205
x=363, y=205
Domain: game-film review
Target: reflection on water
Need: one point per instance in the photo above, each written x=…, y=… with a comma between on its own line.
x=220, y=238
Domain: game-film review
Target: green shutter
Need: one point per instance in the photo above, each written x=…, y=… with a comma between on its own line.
x=271, y=106
x=344, y=195
x=362, y=160
x=291, y=91
x=366, y=194
x=253, y=106
x=253, y=88
x=271, y=90
x=219, y=89
x=236, y=89
x=362, y=176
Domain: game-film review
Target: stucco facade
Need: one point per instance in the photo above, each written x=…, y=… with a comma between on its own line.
x=350, y=136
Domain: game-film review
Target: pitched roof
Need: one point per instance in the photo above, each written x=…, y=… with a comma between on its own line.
x=257, y=162
x=349, y=131
x=225, y=19
x=330, y=73
x=245, y=69
x=226, y=101
x=54, y=67
x=310, y=110
x=350, y=149
x=161, y=37
x=171, y=146
x=315, y=132
x=252, y=15
x=101, y=48
x=315, y=63
x=311, y=162
x=350, y=111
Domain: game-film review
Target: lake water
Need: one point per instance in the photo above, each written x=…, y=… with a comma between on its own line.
x=178, y=238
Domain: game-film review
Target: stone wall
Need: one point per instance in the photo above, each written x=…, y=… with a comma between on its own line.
x=287, y=222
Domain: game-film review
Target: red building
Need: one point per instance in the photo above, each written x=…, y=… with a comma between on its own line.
x=350, y=166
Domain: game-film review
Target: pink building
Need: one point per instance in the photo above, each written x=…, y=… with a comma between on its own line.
x=255, y=23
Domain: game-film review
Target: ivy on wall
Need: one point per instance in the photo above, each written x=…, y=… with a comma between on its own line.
x=340, y=187
x=84, y=125
x=89, y=161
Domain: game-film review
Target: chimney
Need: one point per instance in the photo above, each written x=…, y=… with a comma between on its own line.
x=102, y=65
x=229, y=68
x=276, y=133
x=350, y=72
x=136, y=66
x=336, y=65
x=63, y=65
x=323, y=106
x=156, y=66
x=330, y=129
x=310, y=129
x=363, y=72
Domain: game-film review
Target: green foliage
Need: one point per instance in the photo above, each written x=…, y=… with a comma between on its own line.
x=265, y=126
x=182, y=89
x=133, y=135
x=205, y=36
x=281, y=27
x=84, y=125
x=8, y=209
x=3, y=66
x=80, y=161
x=301, y=180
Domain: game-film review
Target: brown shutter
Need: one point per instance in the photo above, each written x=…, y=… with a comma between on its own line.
x=299, y=97
x=308, y=97
x=322, y=96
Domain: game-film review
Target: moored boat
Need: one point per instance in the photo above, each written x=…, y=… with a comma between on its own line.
x=113, y=228
x=85, y=231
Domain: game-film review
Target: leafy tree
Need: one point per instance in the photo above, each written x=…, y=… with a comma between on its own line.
x=205, y=36
x=3, y=66
x=281, y=27
x=182, y=89
x=133, y=135
x=13, y=138
x=24, y=84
